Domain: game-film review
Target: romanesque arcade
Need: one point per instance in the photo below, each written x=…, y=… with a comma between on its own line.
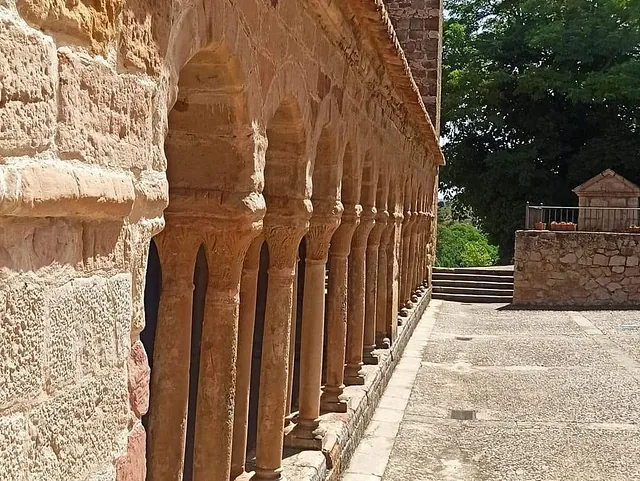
x=238, y=195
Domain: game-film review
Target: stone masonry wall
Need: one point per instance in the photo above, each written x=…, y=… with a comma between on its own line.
x=577, y=269
x=418, y=24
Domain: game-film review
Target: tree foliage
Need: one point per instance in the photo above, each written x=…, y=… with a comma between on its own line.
x=538, y=96
x=463, y=245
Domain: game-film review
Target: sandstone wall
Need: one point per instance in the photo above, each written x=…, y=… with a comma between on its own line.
x=86, y=88
x=577, y=269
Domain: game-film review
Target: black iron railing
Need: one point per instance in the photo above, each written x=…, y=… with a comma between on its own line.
x=590, y=219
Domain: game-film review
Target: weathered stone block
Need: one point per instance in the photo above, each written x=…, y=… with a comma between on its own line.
x=139, y=376
x=92, y=22
x=617, y=261
x=14, y=447
x=27, y=90
x=22, y=334
x=80, y=430
x=600, y=260
x=132, y=466
x=90, y=325
x=104, y=118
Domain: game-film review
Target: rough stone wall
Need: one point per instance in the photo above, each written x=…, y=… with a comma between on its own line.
x=418, y=24
x=85, y=92
x=577, y=269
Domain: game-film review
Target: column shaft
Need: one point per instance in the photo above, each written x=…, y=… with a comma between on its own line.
x=247, y=318
x=226, y=245
x=170, y=375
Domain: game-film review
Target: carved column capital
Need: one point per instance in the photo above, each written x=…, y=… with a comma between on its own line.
x=227, y=242
x=341, y=240
x=367, y=222
x=324, y=222
x=375, y=236
x=284, y=227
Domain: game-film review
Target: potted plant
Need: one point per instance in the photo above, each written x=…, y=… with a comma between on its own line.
x=563, y=226
x=540, y=225
x=634, y=229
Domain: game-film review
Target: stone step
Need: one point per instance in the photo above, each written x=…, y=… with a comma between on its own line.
x=471, y=278
x=474, y=284
x=470, y=298
x=475, y=292
x=497, y=271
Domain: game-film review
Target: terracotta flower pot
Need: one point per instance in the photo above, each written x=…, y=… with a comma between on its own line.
x=540, y=225
x=635, y=229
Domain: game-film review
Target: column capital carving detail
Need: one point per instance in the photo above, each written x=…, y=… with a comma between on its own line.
x=324, y=222
x=341, y=240
x=284, y=228
x=367, y=222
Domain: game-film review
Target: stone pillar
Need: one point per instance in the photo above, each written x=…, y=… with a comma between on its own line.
x=407, y=227
x=178, y=249
x=383, y=320
x=413, y=258
x=292, y=340
x=246, y=324
x=423, y=246
x=283, y=232
x=337, y=310
x=226, y=244
x=371, y=296
x=393, y=275
x=353, y=373
x=325, y=221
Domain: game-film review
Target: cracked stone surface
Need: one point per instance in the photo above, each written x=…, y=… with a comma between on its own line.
x=556, y=396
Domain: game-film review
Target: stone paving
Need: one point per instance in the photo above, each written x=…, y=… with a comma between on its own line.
x=553, y=395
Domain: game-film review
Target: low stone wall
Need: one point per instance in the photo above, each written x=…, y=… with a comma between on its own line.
x=577, y=269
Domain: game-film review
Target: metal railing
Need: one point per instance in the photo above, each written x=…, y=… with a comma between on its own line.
x=590, y=219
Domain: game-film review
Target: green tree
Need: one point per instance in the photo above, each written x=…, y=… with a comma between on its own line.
x=463, y=245
x=538, y=96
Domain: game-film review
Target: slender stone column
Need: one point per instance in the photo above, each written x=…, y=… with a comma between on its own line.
x=413, y=264
x=325, y=221
x=371, y=295
x=227, y=242
x=407, y=227
x=283, y=231
x=247, y=318
x=383, y=320
x=353, y=373
x=178, y=250
x=337, y=310
x=393, y=275
x=292, y=340
x=423, y=246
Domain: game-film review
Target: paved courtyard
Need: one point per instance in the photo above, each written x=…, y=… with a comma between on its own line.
x=484, y=393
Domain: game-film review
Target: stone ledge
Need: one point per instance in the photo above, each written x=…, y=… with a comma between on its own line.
x=55, y=188
x=345, y=431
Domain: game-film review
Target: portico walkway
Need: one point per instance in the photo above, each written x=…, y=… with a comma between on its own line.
x=490, y=394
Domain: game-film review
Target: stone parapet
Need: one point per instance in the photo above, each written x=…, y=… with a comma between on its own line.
x=577, y=269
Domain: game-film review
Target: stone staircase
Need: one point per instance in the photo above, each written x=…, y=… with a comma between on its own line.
x=473, y=284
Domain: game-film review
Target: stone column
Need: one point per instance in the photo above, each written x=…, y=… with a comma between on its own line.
x=178, y=249
x=371, y=295
x=407, y=227
x=393, y=275
x=226, y=244
x=413, y=256
x=383, y=320
x=292, y=340
x=337, y=310
x=353, y=373
x=325, y=221
x=246, y=324
x=283, y=231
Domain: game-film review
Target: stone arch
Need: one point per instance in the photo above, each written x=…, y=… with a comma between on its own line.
x=209, y=144
x=350, y=182
x=369, y=181
x=326, y=174
x=286, y=159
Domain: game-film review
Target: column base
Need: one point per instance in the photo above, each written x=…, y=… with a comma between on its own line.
x=330, y=401
x=384, y=343
x=415, y=298
x=306, y=435
x=404, y=312
x=353, y=374
x=269, y=474
x=367, y=356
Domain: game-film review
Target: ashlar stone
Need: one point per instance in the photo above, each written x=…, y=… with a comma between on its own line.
x=27, y=90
